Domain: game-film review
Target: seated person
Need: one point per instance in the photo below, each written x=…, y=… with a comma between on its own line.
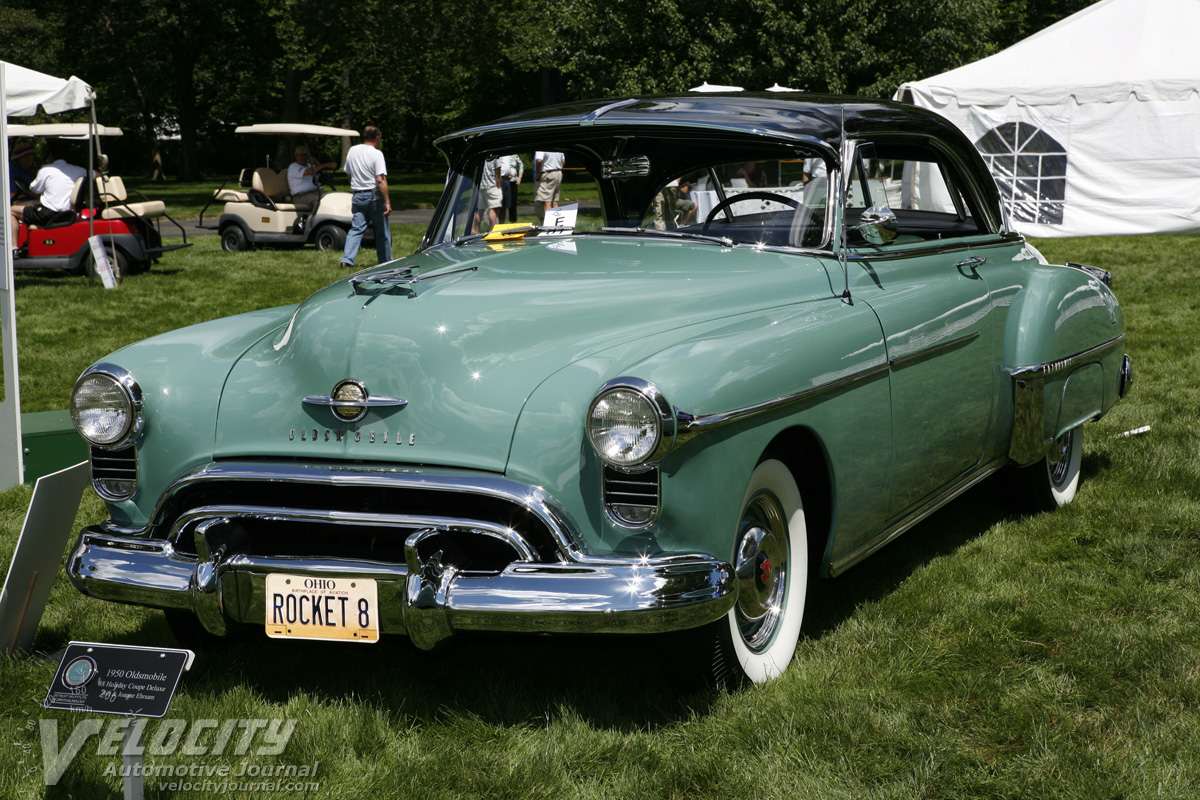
x=20, y=173
x=752, y=174
x=684, y=204
x=301, y=175
x=53, y=186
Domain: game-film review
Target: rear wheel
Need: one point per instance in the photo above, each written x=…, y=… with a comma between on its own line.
x=116, y=260
x=233, y=239
x=330, y=237
x=1051, y=482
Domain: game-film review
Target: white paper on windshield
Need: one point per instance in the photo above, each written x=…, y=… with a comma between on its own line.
x=561, y=217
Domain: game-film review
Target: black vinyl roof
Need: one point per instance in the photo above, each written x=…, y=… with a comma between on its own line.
x=801, y=116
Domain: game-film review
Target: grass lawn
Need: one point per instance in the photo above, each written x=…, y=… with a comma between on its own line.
x=982, y=655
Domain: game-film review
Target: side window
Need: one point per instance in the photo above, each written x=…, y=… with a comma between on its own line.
x=914, y=183
x=785, y=203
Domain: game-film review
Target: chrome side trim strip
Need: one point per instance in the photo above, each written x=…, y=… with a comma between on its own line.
x=932, y=351
x=689, y=425
x=917, y=515
x=1091, y=355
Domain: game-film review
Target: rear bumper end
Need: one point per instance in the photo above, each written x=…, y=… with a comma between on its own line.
x=426, y=598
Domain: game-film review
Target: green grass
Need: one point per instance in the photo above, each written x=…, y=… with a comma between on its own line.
x=981, y=656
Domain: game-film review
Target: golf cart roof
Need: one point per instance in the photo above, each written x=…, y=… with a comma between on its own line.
x=63, y=130
x=294, y=129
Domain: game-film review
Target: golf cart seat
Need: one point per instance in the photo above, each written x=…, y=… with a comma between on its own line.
x=272, y=186
x=110, y=191
x=245, y=181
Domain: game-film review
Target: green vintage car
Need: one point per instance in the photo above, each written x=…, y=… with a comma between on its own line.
x=754, y=341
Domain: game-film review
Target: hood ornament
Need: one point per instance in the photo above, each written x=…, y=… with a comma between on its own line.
x=350, y=401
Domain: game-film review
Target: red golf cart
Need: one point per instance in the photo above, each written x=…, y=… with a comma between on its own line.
x=130, y=229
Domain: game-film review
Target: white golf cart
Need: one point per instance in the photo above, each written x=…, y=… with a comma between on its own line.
x=260, y=211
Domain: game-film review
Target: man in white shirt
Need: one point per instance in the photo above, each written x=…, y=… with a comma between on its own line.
x=367, y=171
x=549, y=175
x=302, y=173
x=53, y=184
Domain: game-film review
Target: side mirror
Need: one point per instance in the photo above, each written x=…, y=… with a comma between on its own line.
x=877, y=225
x=101, y=162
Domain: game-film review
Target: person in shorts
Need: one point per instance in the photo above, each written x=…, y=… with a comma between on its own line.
x=491, y=197
x=549, y=181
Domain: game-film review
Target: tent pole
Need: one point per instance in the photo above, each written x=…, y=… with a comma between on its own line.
x=12, y=460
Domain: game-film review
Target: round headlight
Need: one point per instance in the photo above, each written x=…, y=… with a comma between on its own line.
x=103, y=409
x=624, y=427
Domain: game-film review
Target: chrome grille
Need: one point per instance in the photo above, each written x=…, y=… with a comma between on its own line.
x=114, y=472
x=632, y=498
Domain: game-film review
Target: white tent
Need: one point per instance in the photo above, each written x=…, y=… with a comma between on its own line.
x=22, y=92
x=1090, y=126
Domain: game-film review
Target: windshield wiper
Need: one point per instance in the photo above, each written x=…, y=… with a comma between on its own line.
x=699, y=237
x=475, y=237
x=400, y=276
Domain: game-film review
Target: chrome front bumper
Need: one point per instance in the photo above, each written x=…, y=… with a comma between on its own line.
x=426, y=599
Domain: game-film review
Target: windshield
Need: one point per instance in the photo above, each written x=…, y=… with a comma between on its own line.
x=741, y=192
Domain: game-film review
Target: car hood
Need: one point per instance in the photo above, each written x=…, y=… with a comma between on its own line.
x=467, y=349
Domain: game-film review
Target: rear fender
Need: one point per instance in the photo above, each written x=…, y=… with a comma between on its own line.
x=1064, y=346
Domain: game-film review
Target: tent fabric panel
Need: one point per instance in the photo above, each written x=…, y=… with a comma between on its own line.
x=1103, y=54
x=1130, y=168
x=25, y=90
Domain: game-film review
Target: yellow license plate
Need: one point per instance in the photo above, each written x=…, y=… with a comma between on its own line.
x=301, y=607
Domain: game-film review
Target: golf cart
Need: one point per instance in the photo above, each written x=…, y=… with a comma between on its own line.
x=129, y=229
x=261, y=210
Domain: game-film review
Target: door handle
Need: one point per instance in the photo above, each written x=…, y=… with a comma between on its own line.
x=973, y=261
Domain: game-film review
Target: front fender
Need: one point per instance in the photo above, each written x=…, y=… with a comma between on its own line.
x=182, y=374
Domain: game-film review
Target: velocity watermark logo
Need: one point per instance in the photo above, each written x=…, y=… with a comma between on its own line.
x=173, y=741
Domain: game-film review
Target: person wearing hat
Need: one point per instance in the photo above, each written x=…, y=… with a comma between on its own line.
x=53, y=185
x=20, y=172
x=301, y=174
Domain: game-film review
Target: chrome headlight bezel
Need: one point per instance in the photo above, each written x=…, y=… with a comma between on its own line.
x=659, y=414
x=131, y=395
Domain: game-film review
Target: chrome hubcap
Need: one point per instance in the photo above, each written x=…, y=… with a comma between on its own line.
x=1060, y=458
x=760, y=569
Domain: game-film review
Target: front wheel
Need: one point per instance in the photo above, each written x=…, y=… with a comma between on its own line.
x=756, y=640
x=1051, y=482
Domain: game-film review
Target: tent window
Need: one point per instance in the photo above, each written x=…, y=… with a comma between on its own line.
x=1030, y=169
